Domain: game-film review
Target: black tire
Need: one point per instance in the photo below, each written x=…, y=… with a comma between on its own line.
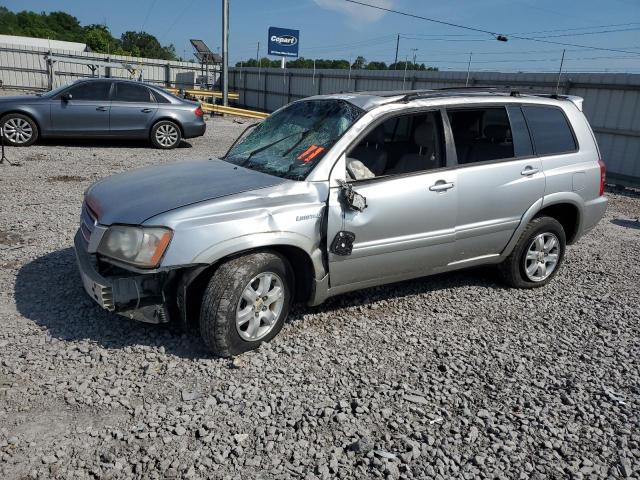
x=166, y=135
x=222, y=297
x=15, y=130
x=513, y=271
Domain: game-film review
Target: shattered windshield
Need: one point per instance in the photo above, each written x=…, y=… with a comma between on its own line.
x=292, y=141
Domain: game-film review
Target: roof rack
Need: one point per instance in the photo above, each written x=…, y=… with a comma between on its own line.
x=437, y=92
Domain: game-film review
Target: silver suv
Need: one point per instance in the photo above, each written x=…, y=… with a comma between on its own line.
x=340, y=192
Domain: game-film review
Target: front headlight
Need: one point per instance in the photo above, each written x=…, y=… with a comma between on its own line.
x=140, y=246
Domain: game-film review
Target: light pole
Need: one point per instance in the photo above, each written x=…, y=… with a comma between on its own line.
x=225, y=52
x=414, y=50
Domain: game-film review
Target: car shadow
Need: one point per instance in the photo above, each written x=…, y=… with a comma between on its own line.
x=103, y=142
x=623, y=222
x=484, y=276
x=48, y=291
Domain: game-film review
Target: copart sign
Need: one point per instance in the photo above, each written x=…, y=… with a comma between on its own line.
x=283, y=42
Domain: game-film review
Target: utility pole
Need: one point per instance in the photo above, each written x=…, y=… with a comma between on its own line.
x=414, y=50
x=395, y=63
x=225, y=52
x=466, y=84
x=404, y=77
x=560, y=72
x=258, y=60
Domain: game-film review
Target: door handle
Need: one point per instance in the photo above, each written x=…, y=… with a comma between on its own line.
x=441, y=186
x=528, y=171
x=146, y=110
x=101, y=109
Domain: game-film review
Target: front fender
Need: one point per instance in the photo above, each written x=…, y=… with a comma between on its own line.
x=39, y=113
x=263, y=240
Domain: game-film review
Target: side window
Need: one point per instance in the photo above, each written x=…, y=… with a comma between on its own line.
x=481, y=134
x=129, y=92
x=399, y=145
x=159, y=98
x=549, y=128
x=522, y=146
x=96, y=91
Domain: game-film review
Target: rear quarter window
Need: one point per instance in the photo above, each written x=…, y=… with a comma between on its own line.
x=550, y=130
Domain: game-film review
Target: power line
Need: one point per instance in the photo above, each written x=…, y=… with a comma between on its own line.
x=178, y=18
x=153, y=2
x=406, y=14
x=495, y=34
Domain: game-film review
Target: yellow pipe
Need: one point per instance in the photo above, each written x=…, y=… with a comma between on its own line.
x=204, y=93
x=233, y=111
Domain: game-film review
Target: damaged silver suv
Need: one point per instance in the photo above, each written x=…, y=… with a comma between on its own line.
x=340, y=192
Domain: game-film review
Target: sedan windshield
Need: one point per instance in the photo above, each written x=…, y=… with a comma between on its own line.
x=55, y=91
x=292, y=141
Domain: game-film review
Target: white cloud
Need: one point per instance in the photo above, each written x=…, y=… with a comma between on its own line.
x=357, y=15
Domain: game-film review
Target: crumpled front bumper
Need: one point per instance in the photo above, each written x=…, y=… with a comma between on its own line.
x=135, y=296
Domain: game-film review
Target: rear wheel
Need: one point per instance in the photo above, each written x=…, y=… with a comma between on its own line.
x=166, y=135
x=537, y=256
x=19, y=130
x=245, y=303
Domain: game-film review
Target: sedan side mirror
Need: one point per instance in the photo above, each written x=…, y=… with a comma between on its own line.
x=66, y=97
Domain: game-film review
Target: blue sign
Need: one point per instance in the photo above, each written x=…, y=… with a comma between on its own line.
x=283, y=42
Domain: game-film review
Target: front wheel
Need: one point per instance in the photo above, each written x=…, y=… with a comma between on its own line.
x=19, y=130
x=245, y=303
x=165, y=134
x=537, y=256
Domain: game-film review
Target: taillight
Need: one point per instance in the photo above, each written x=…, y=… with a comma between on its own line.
x=198, y=111
x=603, y=171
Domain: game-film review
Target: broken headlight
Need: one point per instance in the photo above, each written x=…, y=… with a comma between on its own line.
x=139, y=246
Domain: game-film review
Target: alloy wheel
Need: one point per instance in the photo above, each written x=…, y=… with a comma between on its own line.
x=260, y=306
x=542, y=257
x=167, y=135
x=18, y=130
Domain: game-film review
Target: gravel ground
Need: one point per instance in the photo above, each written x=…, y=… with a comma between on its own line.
x=452, y=376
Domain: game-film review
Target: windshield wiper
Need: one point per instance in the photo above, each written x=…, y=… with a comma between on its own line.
x=269, y=145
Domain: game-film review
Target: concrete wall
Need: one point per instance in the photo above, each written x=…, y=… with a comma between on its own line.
x=612, y=101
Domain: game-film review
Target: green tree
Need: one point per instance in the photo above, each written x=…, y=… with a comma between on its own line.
x=360, y=63
x=62, y=26
x=376, y=66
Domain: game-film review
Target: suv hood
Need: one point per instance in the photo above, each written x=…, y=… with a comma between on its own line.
x=133, y=197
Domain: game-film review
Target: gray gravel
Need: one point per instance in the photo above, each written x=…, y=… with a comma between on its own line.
x=452, y=376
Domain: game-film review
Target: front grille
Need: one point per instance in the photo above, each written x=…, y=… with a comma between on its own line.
x=88, y=220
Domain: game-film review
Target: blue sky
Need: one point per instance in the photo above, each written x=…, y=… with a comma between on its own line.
x=335, y=29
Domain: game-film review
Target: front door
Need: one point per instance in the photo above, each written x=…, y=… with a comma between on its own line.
x=82, y=110
x=408, y=227
x=132, y=110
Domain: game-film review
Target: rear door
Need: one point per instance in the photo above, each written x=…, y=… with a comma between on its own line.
x=133, y=109
x=85, y=113
x=499, y=177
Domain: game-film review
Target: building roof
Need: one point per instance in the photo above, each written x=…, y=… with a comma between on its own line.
x=43, y=43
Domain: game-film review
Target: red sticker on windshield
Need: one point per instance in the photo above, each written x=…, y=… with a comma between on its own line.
x=310, y=153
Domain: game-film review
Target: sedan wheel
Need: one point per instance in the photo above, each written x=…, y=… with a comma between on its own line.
x=19, y=130
x=167, y=135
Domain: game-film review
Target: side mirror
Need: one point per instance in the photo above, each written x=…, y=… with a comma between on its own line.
x=66, y=97
x=352, y=199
